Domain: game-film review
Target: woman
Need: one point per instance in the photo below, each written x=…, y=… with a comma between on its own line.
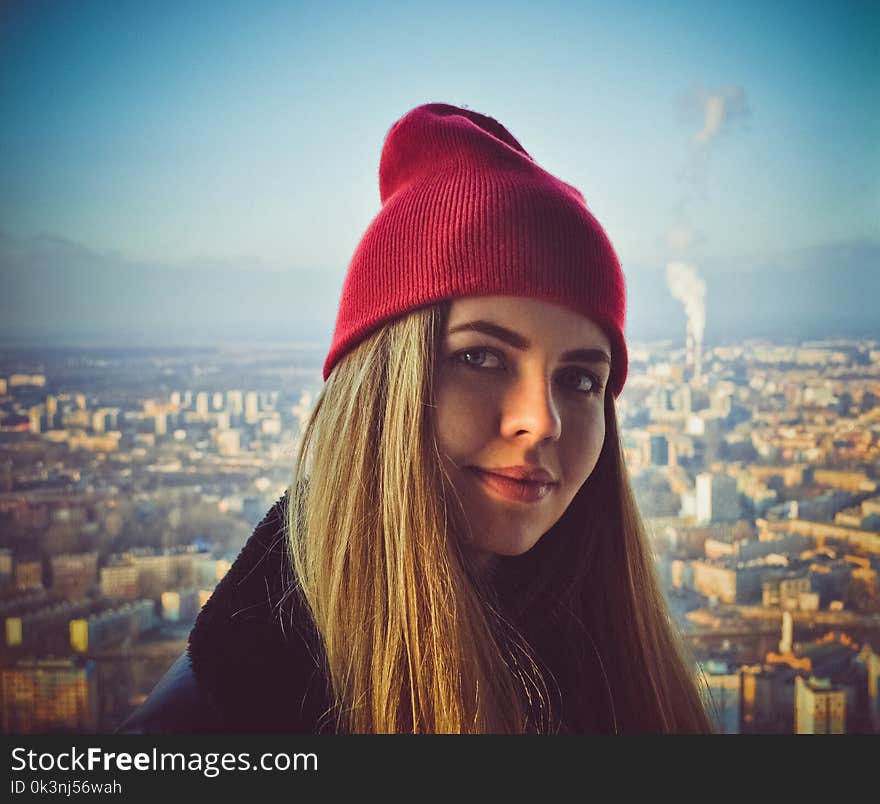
x=460, y=550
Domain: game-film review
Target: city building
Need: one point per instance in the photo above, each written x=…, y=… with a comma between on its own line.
x=767, y=699
x=721, y=693
x=659, y=450
x=820, y=707
x=44, y=630
x=202, y=404
x=180, y=605
x=35, y=418
x=251, y=407
x=119, y=581
x=131, y=576
x=235, y=400
x=74, y=576
x=48, y=695
x=717, y=498
x=5, y=567
x=28, y=574
x=789, y=590
x=112, y=625
x=733, y=581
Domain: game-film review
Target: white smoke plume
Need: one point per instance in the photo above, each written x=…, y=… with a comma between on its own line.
x=713, y=113
x=686, y=285
x=721, y=109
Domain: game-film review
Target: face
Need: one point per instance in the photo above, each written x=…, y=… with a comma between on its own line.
x=519, y=415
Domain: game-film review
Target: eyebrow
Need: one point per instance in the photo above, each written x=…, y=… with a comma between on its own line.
x=517, y=341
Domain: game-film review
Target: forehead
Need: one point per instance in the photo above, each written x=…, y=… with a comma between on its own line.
x=537, y=321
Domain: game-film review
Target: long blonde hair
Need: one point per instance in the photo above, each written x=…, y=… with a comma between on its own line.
x=414, y=640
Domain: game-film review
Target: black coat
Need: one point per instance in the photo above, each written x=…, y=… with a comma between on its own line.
x=253, y=661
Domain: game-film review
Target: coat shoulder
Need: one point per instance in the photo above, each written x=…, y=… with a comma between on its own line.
x=177, y=704
x=254, y=661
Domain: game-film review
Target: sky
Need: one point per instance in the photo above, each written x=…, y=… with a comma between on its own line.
x=182, y=136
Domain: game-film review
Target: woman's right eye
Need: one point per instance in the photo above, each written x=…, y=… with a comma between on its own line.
x=479, y=358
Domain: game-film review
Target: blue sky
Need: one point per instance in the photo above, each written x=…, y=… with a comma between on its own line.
x=178, y=133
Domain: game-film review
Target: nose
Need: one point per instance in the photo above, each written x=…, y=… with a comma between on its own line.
x=530, y=411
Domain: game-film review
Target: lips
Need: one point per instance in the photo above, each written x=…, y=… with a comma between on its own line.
x=534, y=474
x=520, y=484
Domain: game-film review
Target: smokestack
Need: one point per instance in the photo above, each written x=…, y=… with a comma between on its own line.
x=687, y=286
x=698, y=359
x=689, y=348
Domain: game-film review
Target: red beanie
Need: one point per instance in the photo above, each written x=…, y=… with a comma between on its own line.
x=467, y=212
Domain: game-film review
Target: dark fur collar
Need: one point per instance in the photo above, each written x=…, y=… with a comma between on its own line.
x=254, y=649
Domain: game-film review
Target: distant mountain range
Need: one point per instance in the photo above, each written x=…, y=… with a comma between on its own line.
x=814, y=293
x=56, y=292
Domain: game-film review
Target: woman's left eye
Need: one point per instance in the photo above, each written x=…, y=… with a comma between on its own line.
x=581, y=381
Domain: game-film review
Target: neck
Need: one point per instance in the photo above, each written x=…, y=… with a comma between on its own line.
x=481, y=562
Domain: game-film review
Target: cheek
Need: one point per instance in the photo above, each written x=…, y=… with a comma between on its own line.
x=463, y=421
x=581, y=447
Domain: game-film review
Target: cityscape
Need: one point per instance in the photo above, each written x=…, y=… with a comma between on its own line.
x=130, y=478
